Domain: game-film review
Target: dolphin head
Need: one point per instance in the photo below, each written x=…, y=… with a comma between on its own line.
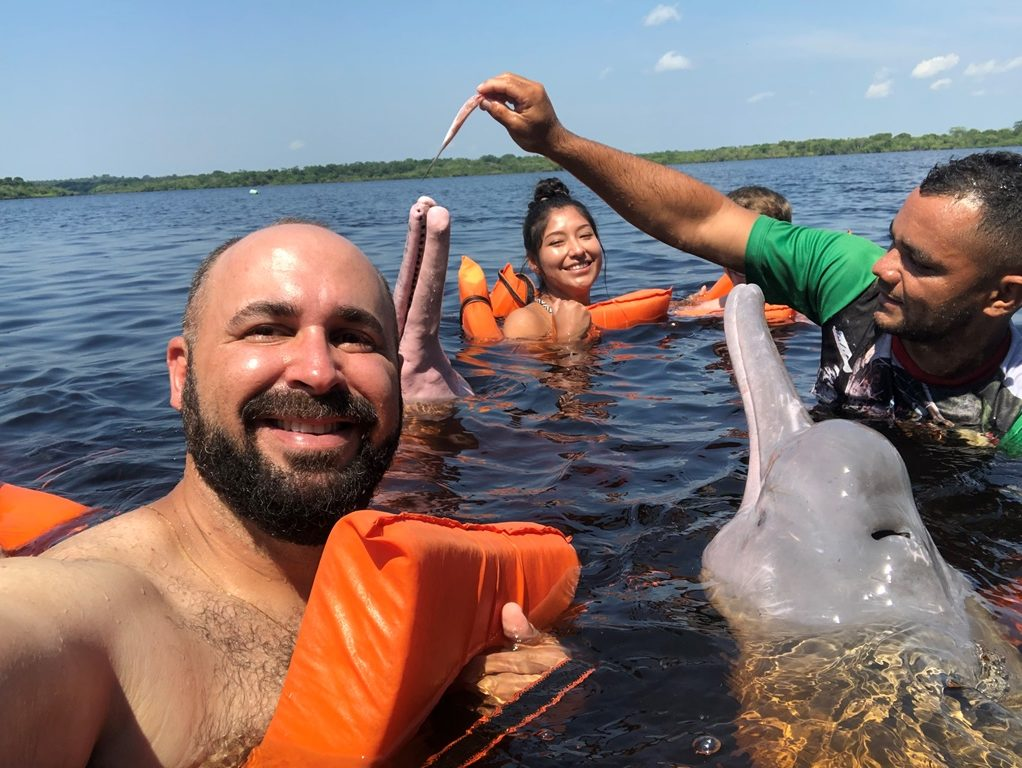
x=828, y=534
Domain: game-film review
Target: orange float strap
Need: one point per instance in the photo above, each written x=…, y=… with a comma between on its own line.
x=26, y=514
x=480, y=310
x=524, y=707
x=400, y=604
x=511, y=291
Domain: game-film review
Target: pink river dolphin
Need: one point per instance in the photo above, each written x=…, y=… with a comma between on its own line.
x=859, y=645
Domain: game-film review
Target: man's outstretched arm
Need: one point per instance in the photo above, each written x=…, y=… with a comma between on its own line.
x=665, y=203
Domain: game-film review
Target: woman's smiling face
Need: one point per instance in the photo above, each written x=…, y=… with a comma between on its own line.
x=570, y=255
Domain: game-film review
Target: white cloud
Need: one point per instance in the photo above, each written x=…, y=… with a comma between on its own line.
x=760, y=96
x=931, y=67
x=661, y=15
x=992, y=67
x=671, y=61
x=944, y=82
x=605, y=73
x=296, y=144
x=880, y=90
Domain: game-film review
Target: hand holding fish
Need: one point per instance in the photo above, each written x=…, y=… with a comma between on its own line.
x=530, y=120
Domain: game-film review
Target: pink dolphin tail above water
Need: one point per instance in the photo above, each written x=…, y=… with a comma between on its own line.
x=459, y=120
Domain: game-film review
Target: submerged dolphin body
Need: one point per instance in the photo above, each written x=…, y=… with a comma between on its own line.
x=858, y=644
x=426, y=375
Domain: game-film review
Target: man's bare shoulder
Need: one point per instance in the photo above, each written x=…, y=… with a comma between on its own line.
x=62, y=565
x=74, y=597
x=128, y=538
x=95, y=623
x=96, y=588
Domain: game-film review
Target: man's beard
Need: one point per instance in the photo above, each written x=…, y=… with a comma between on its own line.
x=302, y=505
x=934, y=326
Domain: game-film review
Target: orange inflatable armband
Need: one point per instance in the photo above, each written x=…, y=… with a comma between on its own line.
x=647, y=305
x=476, y=313
x=779, y=314
x=511, y=291
x=718, y=290
x=776, y=314
x=26, y=514
x=400, y=604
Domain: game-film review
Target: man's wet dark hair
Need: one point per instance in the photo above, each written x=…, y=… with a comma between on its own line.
x=994, y=181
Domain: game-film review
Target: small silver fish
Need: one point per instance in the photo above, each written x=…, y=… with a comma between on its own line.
x=459, y=120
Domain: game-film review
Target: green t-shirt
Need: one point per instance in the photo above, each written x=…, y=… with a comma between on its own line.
x=828, y=277
x=816, y=271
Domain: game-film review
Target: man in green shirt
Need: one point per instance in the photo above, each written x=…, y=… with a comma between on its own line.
x=922, y=330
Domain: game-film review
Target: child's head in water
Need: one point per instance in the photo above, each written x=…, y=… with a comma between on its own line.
x=762, y=200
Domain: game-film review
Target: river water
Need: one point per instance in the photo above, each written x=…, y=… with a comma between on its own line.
x=636, y=447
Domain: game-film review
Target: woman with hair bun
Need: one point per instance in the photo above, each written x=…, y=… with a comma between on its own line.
x=562, y=246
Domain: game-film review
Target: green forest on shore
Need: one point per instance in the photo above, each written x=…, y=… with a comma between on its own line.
x=955, y=138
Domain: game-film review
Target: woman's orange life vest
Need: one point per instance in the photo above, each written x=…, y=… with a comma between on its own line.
x=26, y=514
x=476, y=309
x=480, y=310
x=776, y=314
x=646, y=305
x=719, y=289
x=511, y=291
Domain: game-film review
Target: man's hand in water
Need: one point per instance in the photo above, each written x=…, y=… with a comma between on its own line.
x=501, y=675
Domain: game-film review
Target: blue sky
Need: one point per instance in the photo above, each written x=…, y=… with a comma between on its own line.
x=134, y=88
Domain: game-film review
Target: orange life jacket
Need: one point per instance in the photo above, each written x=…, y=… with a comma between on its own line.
x=646, y=305
x=511, y=291
x=480, y=310
x=400, y=604
x=26, y=514
x=477, y=316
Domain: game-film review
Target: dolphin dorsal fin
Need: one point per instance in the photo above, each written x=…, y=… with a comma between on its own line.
x=773, y=408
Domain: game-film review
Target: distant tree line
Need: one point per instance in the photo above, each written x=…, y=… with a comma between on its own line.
x=955, y=138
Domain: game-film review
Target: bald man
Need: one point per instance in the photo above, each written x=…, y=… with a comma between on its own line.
x=162, y=636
